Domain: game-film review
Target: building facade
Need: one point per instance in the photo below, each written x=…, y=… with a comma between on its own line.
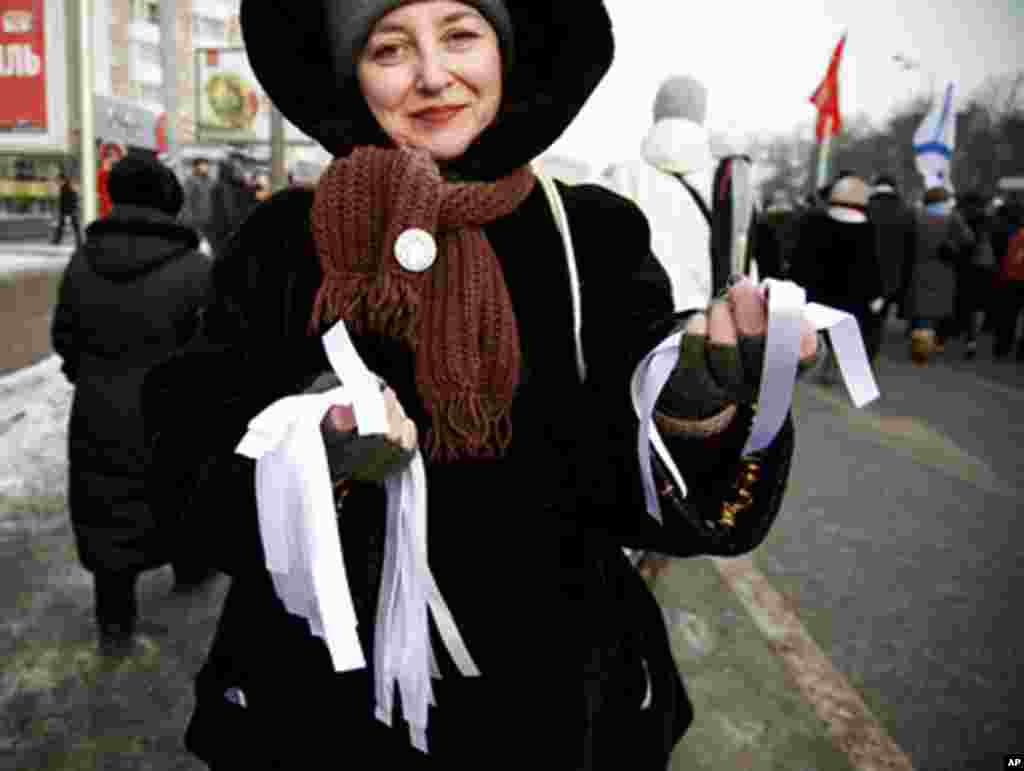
x=129, y=81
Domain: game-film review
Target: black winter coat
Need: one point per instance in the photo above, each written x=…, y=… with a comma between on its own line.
x=896, y=233
x=527, y=550
x=231, y=200
x=128, y=298
x=1004, y=225
x=774, y=242
x=68, y=200
x=837, y=263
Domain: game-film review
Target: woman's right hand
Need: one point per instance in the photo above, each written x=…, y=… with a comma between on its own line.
x=365, y=458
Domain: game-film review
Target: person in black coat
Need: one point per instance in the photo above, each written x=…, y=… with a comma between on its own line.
x=131, y=295
x=230, y=202
x=1009, y=300
x=773, y=242
x=528, y=523
x=836, y=258
x=67, y=209
x=896, y=229
x=977, y=273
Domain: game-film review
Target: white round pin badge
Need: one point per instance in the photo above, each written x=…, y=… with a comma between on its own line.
x=415, y=250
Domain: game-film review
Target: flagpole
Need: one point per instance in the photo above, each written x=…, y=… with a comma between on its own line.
x=824, y=150
x=826, y=99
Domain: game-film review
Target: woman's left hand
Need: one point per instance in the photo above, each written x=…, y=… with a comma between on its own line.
x=722, y=355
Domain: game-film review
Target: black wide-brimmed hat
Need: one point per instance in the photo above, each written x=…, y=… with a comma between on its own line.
x=562, y=51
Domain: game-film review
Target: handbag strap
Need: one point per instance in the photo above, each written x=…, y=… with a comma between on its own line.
x=550, y=188
x=697, y=198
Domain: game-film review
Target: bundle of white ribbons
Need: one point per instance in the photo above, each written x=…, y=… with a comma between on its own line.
x=299, y=529
x=787, y=310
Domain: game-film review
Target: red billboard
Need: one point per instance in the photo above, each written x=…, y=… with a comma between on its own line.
x=23, y=66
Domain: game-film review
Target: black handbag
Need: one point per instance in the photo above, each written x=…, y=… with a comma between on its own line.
x=733, y=516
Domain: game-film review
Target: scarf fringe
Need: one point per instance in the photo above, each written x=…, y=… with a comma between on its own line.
x=468, y=426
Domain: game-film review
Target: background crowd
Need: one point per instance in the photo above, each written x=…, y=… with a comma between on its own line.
x=950, y=266
x=217, y=199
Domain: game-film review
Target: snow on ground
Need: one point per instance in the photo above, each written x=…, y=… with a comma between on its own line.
x=24, y=262
x=34, y=407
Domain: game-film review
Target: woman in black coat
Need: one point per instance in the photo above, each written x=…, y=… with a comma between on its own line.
x=976, y=283
x=527, y=523
x=231, y=200
x=128, y=298
x=836, y=258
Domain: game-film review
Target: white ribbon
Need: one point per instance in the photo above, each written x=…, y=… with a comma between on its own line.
x=297, y=520
x=649, y=378
x=787, y=310
x=298, y=526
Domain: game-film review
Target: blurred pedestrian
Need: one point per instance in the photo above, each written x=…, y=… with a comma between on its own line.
x=836, y=259
x=675, y=169
x=896, y=235
x=672, y=184
x=775, y=239
x=977, y=275
x=67, y=209
x=130, y=295
x=1008, y=246
x=197, y=212
x=943, y=242
x=231, y=201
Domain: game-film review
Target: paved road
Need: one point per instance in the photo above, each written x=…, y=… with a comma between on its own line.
x=901, y=548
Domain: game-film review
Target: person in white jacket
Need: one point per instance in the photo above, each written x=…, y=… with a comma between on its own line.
x=677, y=145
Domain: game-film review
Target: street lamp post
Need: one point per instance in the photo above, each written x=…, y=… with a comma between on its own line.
x=169, y=67
x=278, y=167
x=87, y=125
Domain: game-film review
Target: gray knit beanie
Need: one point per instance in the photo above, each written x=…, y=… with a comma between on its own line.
x=351, y=21
x=681, y=96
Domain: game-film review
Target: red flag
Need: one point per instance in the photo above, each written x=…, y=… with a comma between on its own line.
x=826, y=96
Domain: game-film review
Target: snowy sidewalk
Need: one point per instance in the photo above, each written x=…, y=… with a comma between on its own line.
x=34, y=407
x=16, y=257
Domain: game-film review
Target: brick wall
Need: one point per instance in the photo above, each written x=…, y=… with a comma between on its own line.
x=185, y=75
x=120, y=49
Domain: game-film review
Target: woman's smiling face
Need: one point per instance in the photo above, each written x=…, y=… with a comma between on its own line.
x=431, y=75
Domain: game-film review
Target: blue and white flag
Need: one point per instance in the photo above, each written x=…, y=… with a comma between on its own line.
x=934, y=142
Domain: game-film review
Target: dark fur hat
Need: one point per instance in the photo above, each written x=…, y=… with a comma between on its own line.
x=140, y=180
x=562, y=51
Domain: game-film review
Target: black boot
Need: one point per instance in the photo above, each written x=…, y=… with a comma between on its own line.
x=189, y=578
x=116, y=612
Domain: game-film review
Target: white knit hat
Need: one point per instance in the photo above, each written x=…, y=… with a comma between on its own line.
x=681, y=96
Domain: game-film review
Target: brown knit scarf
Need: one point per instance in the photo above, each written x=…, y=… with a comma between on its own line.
x=457, y=315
